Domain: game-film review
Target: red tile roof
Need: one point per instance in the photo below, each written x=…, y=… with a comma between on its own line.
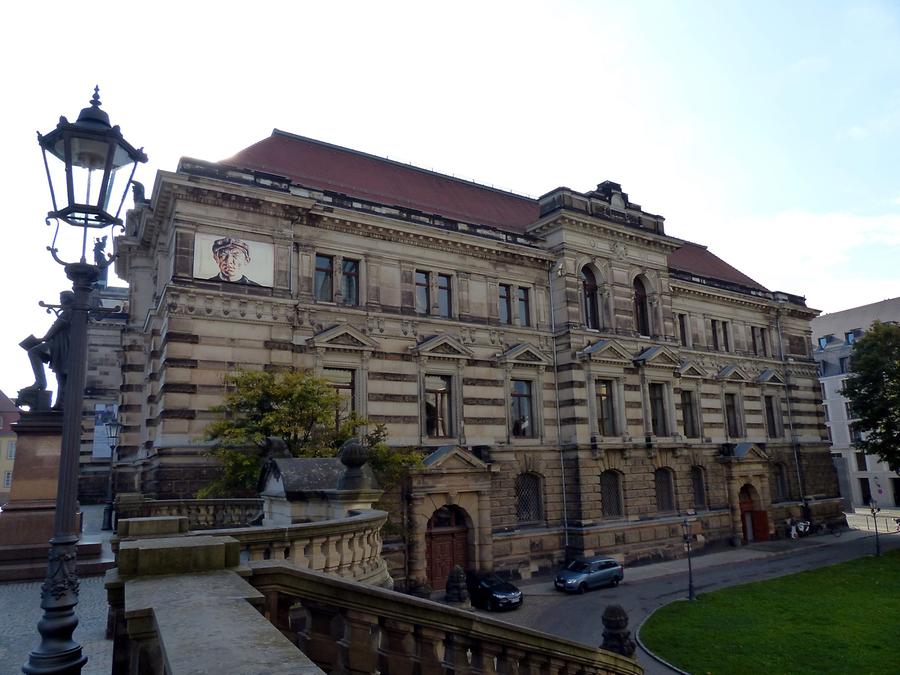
x=696, y=259
x=323, y=166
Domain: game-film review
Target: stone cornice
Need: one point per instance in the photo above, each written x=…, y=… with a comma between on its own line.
x=384, y=229
x=604, y=228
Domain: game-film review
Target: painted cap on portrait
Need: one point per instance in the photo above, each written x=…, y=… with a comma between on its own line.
x=231, y=242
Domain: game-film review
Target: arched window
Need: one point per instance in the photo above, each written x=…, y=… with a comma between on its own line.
x=698, y=487
x=611, y=494
x=780, y=482
x=591, y=305
x=665, y=490
x=529, y=505
x=641, y=308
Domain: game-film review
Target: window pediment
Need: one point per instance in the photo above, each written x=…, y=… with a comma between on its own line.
x=524, y=355
x=342, y=337
x=690, y=369
x=770, y=376
x=657, y=357
x=731, y=373
x=453, y=458
x=443, y=347
x=608, y=351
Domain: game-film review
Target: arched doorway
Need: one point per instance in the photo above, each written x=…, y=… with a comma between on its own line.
x=754, y=518
x=447, y=544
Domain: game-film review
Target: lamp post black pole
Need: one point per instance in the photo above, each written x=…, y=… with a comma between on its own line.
x=58, y=652
x=687, y=541
x=874, y=508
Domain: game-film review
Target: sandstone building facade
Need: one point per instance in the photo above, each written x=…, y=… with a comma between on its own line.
x=578, y=380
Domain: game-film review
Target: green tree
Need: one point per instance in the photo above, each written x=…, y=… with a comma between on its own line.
x=297, y=407
x=874, y=392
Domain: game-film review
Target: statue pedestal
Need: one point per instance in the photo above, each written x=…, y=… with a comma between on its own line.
x=26, y=522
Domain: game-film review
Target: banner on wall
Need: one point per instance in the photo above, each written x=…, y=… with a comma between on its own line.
x=233, y=260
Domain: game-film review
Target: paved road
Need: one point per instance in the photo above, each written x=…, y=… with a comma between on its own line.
x=577, y=617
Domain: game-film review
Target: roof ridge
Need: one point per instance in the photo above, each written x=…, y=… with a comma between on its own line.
x=403, y=165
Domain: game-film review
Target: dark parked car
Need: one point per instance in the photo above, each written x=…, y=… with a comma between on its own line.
x=580, y=575
x=491, y=592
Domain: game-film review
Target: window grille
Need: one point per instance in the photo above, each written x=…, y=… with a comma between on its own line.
x=611, y=494
x=528, y=498
x=665, y=493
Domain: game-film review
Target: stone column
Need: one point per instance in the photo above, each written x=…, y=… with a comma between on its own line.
x=418, y=523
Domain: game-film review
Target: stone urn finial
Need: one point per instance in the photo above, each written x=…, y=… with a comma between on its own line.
x=354, y=455
x=616, y=636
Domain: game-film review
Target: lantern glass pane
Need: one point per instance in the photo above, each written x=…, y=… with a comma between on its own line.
x=89, y=153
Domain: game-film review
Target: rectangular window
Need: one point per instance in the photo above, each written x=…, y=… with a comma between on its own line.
x=689, y=414
x=714, y=329
x=763, y=341
x=850, y=337
x=423, y=292
x=606, y=412
x=683, y=329
x=521, y=409
x=732, y=420
x=726, y=340
x=344, y=383
x=445, y=305
x=865, y=490
x=324, y=278
x=754, y=340
x=658, y=420
x=861, y=461
x=847, y=411
x=895, y=485
x=844, y=363
x=773, y=428
x=505, y=304
x=827, y=413
x=855, y=435
x=823, y=342
x=438, y=406
x=7, y=479
x=11, y=450
x=350, y=281
x=524, y=308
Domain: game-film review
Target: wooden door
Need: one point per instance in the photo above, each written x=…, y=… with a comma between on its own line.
x=447, y=545
x=760, y=526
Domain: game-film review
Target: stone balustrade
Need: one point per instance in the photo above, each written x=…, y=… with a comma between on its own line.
x=202, y=514
x=348, y=547
x=347, y=628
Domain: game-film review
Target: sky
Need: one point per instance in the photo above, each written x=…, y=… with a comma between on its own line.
x=768, y=131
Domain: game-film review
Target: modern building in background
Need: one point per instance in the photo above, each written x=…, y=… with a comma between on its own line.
x=9, y=414
x=862, y=477
x=577, y=379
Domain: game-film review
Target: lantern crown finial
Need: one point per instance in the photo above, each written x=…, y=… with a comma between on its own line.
x=93, y=115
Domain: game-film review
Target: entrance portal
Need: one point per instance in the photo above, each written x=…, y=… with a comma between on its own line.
x=754, y=518
x=447, y=544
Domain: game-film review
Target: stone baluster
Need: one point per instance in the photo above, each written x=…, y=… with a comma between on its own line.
x=345, y=554
x=398, y=648
x=332, y=554
x=298, y=553
x=318, y=639
x=431, y=650
x=486, y=658
x=457, y=654
x=357, y=563
x=358, y=647
x=258, y=551
x=317, y=553
x=510, y=662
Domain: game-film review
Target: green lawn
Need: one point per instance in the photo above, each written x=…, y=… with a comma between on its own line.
x=839, y=619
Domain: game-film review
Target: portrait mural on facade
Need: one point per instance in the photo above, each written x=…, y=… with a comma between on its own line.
x=233, y=260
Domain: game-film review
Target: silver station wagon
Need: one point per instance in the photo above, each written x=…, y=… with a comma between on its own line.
x=581, y=575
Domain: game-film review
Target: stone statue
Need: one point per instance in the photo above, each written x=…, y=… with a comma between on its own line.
x=616, y=636
x=101, y=261
x=456, y=591
x=52, y=349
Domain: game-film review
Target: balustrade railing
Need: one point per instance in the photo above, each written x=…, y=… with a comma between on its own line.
x=202, y=514
x=348, y=547
x=347, y=628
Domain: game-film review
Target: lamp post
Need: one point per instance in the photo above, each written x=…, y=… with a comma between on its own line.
x=112, y=434
x=875, y=509
x=686, y=529
x=92, y=153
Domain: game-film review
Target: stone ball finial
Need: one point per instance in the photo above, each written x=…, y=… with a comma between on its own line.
x=353, y=454
x=616, y=636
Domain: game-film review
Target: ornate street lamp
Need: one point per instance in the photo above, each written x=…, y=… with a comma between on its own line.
x=112, y=435
x=875, y=509
x=92, y=153
x=686, y=530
